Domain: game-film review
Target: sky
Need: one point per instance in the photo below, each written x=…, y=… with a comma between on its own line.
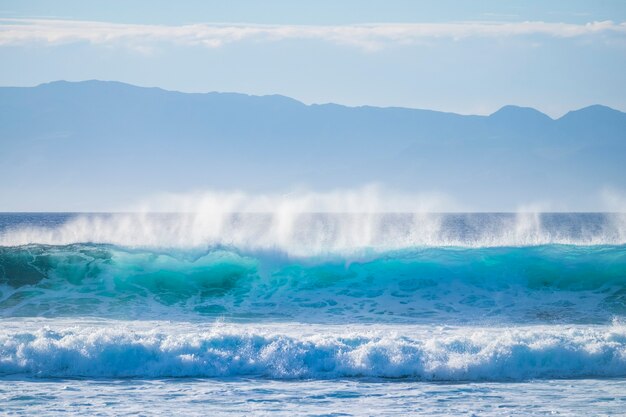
x=469, y=57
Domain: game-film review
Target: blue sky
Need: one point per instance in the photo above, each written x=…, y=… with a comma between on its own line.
x=461, y=56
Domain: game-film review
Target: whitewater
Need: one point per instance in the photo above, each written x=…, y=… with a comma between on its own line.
x=291, y=308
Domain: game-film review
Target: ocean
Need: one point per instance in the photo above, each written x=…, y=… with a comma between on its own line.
x=490, y=314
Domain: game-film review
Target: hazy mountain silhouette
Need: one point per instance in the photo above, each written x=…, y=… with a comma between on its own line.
x=96, y=142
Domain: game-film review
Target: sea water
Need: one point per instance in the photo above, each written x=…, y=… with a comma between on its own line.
x=314, y=313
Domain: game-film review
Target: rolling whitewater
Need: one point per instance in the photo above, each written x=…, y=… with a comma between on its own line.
x=486, y=308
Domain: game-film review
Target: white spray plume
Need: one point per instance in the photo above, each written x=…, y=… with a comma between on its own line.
x=371, y=198
x=304, y=224
x=615, y=203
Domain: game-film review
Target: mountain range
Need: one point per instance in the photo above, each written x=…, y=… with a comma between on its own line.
x=94, y=144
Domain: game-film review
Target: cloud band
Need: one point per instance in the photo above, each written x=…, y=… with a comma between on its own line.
x=366, y=36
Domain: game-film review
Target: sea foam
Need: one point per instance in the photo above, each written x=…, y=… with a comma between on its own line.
x=124, y=349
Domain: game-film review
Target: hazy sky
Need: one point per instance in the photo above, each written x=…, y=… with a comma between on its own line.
x=461, y=56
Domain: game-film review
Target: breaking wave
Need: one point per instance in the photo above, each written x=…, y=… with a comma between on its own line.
x=444, y=354
x=288, y=293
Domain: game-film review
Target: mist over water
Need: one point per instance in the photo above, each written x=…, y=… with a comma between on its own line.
x=310, y=234
x=308, y=224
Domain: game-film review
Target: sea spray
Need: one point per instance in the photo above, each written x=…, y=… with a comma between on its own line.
x=310, y=234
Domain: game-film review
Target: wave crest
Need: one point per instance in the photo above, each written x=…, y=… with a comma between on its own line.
x=312, y=234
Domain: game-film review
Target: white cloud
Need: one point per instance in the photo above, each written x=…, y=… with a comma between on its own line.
x=365, y=36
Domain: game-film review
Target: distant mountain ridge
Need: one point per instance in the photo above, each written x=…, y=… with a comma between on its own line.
x=109, y=141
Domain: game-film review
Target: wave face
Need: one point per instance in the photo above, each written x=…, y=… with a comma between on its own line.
x=452, y=354
x=549, y=283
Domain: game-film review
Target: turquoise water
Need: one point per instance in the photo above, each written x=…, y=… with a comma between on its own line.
x=547, y=283
x=490, y=314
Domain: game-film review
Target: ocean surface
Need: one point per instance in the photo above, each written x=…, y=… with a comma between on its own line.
x=280, y=313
